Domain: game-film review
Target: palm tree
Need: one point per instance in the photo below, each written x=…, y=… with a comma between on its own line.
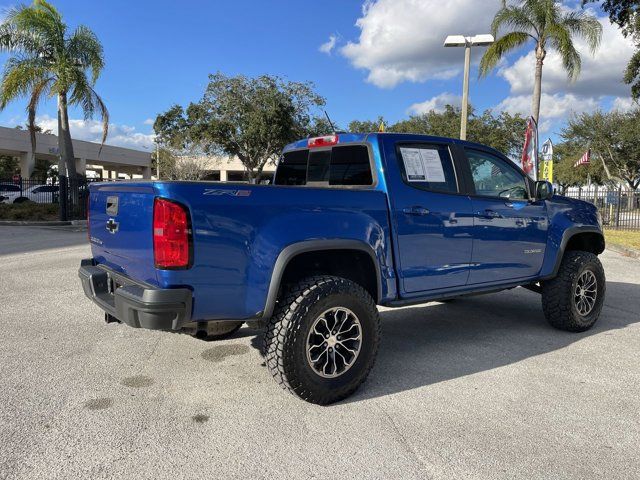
x=48, y=61
x=548, y=25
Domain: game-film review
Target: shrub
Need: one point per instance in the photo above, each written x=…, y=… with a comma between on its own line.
x=29, y=211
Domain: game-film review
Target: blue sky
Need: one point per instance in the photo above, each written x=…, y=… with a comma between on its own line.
x=387, y=56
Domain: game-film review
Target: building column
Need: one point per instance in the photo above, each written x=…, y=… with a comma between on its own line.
x=27, y=164
x=146, y=173
x=223, y=175
x=81, y=166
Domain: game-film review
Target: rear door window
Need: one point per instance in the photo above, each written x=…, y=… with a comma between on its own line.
x=348, y=165
x=428, y=167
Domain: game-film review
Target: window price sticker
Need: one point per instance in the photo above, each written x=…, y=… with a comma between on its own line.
x=422, y=165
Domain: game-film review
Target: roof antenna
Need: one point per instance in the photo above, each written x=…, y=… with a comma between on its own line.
x=330, y=122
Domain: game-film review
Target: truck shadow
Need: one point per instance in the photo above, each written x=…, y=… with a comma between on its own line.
x=428, y=344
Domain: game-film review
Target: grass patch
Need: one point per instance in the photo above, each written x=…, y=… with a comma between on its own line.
x=29, y=211
x=622, y=237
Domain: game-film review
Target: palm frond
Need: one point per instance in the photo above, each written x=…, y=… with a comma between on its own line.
x=516, y=18
x=561, y=40
x=500, y=48
x=84, y=48
x=584, y=25
x=20, y=75
x=90, y=102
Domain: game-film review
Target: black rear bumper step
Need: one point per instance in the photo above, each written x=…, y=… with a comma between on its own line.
x=137, y=304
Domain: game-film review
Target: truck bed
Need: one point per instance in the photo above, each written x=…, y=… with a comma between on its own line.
x=238, y=232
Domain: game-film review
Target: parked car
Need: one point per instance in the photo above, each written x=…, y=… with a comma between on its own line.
x=6, y=189
x=35, y=193
x=352, y=221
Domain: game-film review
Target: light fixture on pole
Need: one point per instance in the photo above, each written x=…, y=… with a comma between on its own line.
x=482, y=40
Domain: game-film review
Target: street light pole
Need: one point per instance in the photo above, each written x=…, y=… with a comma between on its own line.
x=465, y=93
x=467, y=43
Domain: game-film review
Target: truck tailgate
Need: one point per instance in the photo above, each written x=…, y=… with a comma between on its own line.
x=121, y=228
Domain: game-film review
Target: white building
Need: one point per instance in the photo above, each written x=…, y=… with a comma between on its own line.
x=110, y=162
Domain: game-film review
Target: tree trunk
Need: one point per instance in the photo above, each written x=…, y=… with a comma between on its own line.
x=537, y=83
x=65, y=146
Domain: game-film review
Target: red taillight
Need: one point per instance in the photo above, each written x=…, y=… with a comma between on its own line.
x=171, y=246
x=325, y=141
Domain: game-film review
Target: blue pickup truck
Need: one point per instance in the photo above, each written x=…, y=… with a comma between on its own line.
x=351, y=221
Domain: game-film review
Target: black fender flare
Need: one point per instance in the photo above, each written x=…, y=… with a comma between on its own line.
x=566, y=236
x=291, y=251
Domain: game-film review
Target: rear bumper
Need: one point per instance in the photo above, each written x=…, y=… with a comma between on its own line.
x=137, y=304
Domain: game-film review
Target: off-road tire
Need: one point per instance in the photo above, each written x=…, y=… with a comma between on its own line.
x=558, y=293
x=218, y=330
x=285, y=339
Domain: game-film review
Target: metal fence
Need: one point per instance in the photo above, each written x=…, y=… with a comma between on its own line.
x=620, y=208
x=70, y=194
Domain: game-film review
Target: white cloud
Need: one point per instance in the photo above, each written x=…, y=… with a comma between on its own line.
x=600, y=74
x=436, y=103
x=401, y=40
x=91, y=130
x=624, y=104
x=149, y=121
x=551, y=106
x=329, y=45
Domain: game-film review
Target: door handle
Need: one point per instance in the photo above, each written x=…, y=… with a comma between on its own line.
x=415, y=211
x=489, y=214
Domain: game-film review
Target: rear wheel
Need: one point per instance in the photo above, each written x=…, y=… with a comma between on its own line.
x=572, y=301
x=323, y=338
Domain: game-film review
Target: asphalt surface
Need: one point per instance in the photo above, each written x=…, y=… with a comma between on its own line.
x=477, y=388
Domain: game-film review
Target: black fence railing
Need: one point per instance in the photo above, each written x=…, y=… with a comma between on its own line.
x=70, y=194
x=620, y=208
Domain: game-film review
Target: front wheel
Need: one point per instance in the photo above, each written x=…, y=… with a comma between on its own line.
x=572, y=301
x=323, y=338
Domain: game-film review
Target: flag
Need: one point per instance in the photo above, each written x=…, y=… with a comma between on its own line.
x=547, y=150
x=585, y=159
x=530, y=150
x=546, y=167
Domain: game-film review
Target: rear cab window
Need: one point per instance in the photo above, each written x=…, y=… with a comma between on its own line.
x=341, y=165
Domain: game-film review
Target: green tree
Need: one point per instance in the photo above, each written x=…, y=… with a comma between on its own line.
x=565, y=172
x=47, y=60
x=614, y=142
x=249, y=118
x=367, y=126
x=504, y=132
x=8, y=166
x=547, y=24
x=167, y=161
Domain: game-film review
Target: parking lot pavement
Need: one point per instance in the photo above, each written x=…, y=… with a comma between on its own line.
x=477, y=388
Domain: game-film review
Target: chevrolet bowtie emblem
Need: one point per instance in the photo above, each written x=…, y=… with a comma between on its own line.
x=112, y=226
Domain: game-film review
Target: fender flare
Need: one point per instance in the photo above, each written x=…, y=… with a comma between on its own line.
x=566, y=236
x=291, y=251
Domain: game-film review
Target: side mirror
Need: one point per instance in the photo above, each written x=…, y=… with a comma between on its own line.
x=544, y=190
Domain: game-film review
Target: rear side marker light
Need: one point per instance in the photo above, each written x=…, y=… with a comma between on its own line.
x=171, y=235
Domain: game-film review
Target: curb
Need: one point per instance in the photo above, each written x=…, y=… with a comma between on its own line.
x=622, y=250
x=43, y=223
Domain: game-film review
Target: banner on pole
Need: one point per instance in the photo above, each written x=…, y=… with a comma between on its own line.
x=546, y=168
x=530, y=149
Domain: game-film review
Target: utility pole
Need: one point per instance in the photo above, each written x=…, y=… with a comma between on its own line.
x=467, y=42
